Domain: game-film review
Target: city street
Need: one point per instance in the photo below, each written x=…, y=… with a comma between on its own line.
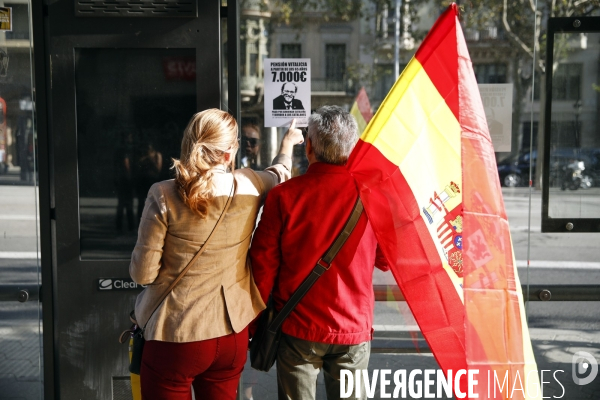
x=558, y=329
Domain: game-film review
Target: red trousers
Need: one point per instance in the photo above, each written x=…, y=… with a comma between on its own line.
x=213, y=367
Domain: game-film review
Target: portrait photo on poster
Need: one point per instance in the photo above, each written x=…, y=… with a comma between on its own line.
x=287, y=91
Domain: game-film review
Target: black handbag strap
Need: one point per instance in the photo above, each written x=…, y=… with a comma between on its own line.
x=193, y=260
x=322, y=265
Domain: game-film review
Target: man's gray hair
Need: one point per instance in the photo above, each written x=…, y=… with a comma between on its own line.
x=333, y=132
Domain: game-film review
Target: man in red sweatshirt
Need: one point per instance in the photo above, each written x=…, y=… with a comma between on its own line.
x=331, y=328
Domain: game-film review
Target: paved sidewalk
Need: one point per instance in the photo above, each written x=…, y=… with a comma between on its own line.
x=553, y=349
x=20, y=334
x=20, y=362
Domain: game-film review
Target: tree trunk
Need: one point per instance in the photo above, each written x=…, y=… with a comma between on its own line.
x=518, y=102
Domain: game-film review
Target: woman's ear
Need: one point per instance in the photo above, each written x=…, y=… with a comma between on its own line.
x=229, y=156
x=309, y=151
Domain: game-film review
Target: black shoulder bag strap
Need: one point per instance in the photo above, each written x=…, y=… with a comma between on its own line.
x=323, y=265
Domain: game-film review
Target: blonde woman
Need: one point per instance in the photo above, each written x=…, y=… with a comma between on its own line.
x=198, y=335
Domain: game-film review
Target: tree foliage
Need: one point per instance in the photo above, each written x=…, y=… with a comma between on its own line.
x=293, y=12
x=524, y=21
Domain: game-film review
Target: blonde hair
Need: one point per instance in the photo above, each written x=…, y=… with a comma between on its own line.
x=206, y=139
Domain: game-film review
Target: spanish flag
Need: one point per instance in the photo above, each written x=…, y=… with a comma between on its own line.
x=426, y=171
x=361, y=110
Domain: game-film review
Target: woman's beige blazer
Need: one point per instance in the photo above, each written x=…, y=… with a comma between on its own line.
x=217, y=295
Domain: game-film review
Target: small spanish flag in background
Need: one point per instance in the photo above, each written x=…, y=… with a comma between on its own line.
x=426, y=171
x=361, y=110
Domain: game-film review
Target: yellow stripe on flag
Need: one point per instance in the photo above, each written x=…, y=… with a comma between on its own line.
x=412, y=103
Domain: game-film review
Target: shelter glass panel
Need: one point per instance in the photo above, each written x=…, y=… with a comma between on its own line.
x=132, y=107
x=20, y=278
x=359, y=48
x=574, y=163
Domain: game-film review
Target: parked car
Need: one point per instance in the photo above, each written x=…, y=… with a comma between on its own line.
x=514, y=170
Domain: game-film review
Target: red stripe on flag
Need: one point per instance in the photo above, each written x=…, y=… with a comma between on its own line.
x=409, y=248
x=438, y=54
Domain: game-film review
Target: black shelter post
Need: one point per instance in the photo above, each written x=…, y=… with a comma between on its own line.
x=46, y=201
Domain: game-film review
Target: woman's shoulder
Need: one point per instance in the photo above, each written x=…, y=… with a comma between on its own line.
x=248, y=180
x=243, y=173
x=166, y=188
x=169, y=184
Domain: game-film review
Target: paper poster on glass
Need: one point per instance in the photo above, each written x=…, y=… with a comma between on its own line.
x=287, y=91
x=5, y=19
x=498, y=105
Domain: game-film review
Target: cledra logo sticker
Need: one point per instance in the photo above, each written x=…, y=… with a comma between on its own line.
x=118, y=284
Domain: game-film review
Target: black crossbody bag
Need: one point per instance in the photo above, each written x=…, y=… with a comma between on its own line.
x=264, y=344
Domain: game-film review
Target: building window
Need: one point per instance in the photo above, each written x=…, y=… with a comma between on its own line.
x=565, y=133
x=526, y=141
x=248, y=59
x=252, y=59
x=490, y=73
x=291, y=50
x=536, y=87
x=385, y=24
x=566, y=82
x=384, y=80
x=335, y=62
